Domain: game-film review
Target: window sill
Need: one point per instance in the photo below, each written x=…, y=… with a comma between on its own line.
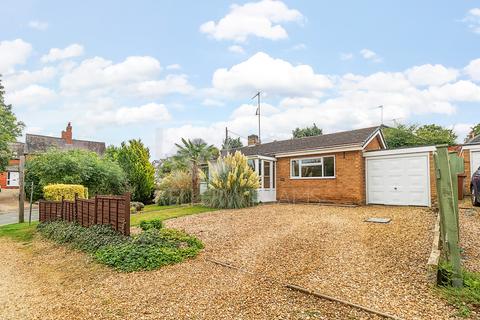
x=312, y=178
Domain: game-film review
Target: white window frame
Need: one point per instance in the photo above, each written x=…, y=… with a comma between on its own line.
x=323, y=168
x=9, y=180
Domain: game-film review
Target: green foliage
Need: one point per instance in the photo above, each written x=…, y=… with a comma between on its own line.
x=99, y=175
x=307, y=132
x=196, y=152
x=175, y=188
x=137, y=206
x=55, y=192
x=19, y=231
x=465, y=298
x=475, y=131
x=151, y=224
x=167, y=165
x=414, y=135
x=233, y=183
x=147, y=251
x=150, y=250
x=134, y=158
x=231, y=143
x=10, y=129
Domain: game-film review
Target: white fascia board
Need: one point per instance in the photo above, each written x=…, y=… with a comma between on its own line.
x=391, y=152
x=319, y=151
x=379, y=134
x=472, y=147
x=261, y=157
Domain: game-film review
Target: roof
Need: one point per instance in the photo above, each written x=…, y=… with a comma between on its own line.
x=17, y=149
x=338, y=139
x=474, y=140
x=37, y=144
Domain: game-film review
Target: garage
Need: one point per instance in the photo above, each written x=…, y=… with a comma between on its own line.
x=475, y=161
x=398, y=177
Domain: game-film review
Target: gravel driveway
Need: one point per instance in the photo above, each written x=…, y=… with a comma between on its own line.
x=328, y=249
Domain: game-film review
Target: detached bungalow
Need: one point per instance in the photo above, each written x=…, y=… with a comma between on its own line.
x=471, y=155
x=344, y=167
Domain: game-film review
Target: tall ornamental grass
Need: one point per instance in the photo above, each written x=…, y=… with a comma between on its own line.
x=232, y=184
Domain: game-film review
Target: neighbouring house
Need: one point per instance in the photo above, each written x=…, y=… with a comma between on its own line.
x=471, y=155
x=344, y=167
x=36, y=144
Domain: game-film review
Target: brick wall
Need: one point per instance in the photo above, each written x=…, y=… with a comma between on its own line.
x=433, y=180
x=468, y=170
x=347, y=187
x=373, y=145
x=4, y=176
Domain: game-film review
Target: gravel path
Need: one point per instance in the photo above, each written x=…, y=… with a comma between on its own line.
x=469, y=235
x=329, y=249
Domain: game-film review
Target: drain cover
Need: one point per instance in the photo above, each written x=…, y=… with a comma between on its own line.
x=378, y=220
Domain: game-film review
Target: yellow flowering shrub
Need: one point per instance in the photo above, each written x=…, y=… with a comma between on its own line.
x=55, y=192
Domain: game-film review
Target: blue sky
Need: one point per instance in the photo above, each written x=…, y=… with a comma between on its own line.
x=164, y=70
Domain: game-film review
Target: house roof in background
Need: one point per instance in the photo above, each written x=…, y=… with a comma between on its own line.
x=338, y=139
x=474, y=140
x=35, y=143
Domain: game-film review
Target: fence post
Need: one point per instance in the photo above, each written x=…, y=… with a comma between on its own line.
x=446, y=200
x=96, y=213
x=126, y=227
x=75, y=208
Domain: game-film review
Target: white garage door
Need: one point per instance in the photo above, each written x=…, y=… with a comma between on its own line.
x=398, y=180
x=475, y=159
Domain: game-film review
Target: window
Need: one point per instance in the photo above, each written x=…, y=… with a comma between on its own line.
x=251, y=163
x=321, y=167
x=266, y=175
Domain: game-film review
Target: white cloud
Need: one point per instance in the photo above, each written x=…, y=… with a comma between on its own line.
x=261, y=19
x=300, y=46
x=151, y=112
x=473, y=70
x=462, y=130
x=431, y=75
x=171, y=84
x=38, y=25
x=236, y=49
x=73, y=50
x=346, y=56
x=100, y=74
x=274, y=76
x=31, y=97
x=13, y=53
x=370, y=55
x=212, y=103
x=174, y=66
x=25, y=78
x=472, y=19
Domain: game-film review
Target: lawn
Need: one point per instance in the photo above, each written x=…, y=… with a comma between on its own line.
x=166, y=212
x=19, y=231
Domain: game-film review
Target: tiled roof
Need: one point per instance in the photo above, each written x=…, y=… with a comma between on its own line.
x=17, y=149
x=338, y=139
x=38, y=144
x=474, y=140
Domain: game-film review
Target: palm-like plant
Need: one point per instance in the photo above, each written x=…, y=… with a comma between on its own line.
x=196, y=151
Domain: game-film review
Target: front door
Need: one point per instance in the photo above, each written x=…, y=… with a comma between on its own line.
x=267, y=191
x=12, y=179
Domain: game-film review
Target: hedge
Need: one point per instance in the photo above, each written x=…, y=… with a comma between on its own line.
x=55, y=192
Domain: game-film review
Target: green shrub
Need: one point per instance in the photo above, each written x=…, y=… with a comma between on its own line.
x=233, y=183
x=151, y=224
x=137, y=206
x=150, y=250
x=175, y=188
x=55, y=192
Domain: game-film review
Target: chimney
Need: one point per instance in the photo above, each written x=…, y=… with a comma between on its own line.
x=253, y=140
x=67, y=134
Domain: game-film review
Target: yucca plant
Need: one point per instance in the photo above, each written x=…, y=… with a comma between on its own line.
x=233, y=183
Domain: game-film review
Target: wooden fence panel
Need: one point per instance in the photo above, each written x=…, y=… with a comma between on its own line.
x=112, y=210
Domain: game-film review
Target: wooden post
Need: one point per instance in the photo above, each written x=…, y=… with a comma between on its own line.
x=75, y=209
x=447, y=207
x=30, y=209
x=96, y=213
x=21, y=196
x=127, y=215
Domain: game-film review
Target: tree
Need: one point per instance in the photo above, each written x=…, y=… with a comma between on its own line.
x=307, y=131
x=475, y=131
x=435, y=134
x=134, y=158
x=231, y=143
x=10, y=129
x=414, y=135
x=99, y=175
x=170, y=164
x=196, y=152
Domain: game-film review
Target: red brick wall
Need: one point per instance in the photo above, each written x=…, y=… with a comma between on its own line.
x=373, y=145
x=468, y=170
x=347, y=187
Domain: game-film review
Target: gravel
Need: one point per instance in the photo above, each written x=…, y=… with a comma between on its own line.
x=324, y=248
x=469, y=235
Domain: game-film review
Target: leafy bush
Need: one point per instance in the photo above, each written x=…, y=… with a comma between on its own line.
x=151, y=224
x=137, y=206
x=149, y=250
x=99, y=175
x=175, y=188
x=55, y=192
x=233, y=183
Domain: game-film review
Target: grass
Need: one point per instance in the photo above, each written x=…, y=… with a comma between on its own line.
x=166, y=212
x=19, y=231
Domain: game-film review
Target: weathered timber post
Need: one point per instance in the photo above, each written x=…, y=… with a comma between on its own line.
x=127, y=214
x=447, y=203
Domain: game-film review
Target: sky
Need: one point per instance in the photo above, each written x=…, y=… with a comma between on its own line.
x=162, y=70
